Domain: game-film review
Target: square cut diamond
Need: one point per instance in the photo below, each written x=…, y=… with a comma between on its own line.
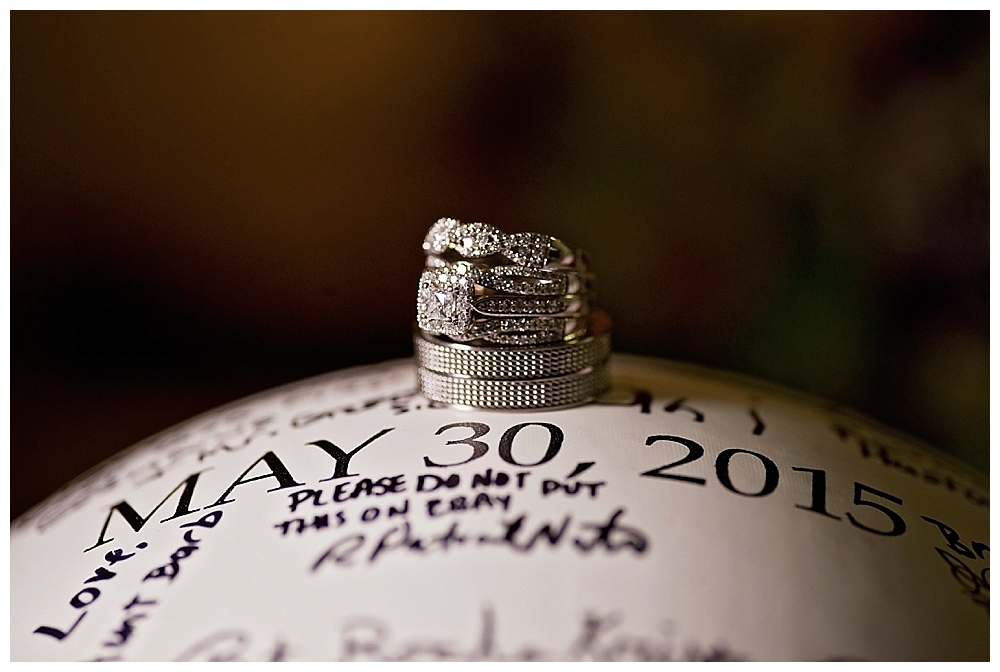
x=444, y=303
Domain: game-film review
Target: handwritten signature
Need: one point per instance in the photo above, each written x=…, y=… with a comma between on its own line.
x=519, y=535
x=599, y=637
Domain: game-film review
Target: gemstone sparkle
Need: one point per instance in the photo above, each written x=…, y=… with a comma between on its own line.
x=444, y=303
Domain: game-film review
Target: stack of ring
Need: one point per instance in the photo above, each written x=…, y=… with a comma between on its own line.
x=506, y=320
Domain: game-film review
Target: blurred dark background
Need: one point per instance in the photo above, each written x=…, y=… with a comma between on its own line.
x=204, y=205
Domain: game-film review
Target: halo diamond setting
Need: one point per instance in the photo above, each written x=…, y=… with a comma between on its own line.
x=444, y=303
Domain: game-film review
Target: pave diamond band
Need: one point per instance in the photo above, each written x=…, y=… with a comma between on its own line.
x=526, y=330
x=535, y=282
x=506, y=321
x=517, y=279
x=513, y=305
x=475, y=240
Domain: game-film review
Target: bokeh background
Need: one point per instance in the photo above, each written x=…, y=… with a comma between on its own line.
x=204, y=205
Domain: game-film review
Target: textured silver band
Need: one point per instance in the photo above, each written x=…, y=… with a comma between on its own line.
x=569, y=390
x=499, y=363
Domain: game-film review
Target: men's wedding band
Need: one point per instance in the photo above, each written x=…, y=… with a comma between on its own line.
x=508, y=363
x=558, y=392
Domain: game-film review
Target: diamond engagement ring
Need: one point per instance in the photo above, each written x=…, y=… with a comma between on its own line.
x=481, y=241
x=464, y=304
